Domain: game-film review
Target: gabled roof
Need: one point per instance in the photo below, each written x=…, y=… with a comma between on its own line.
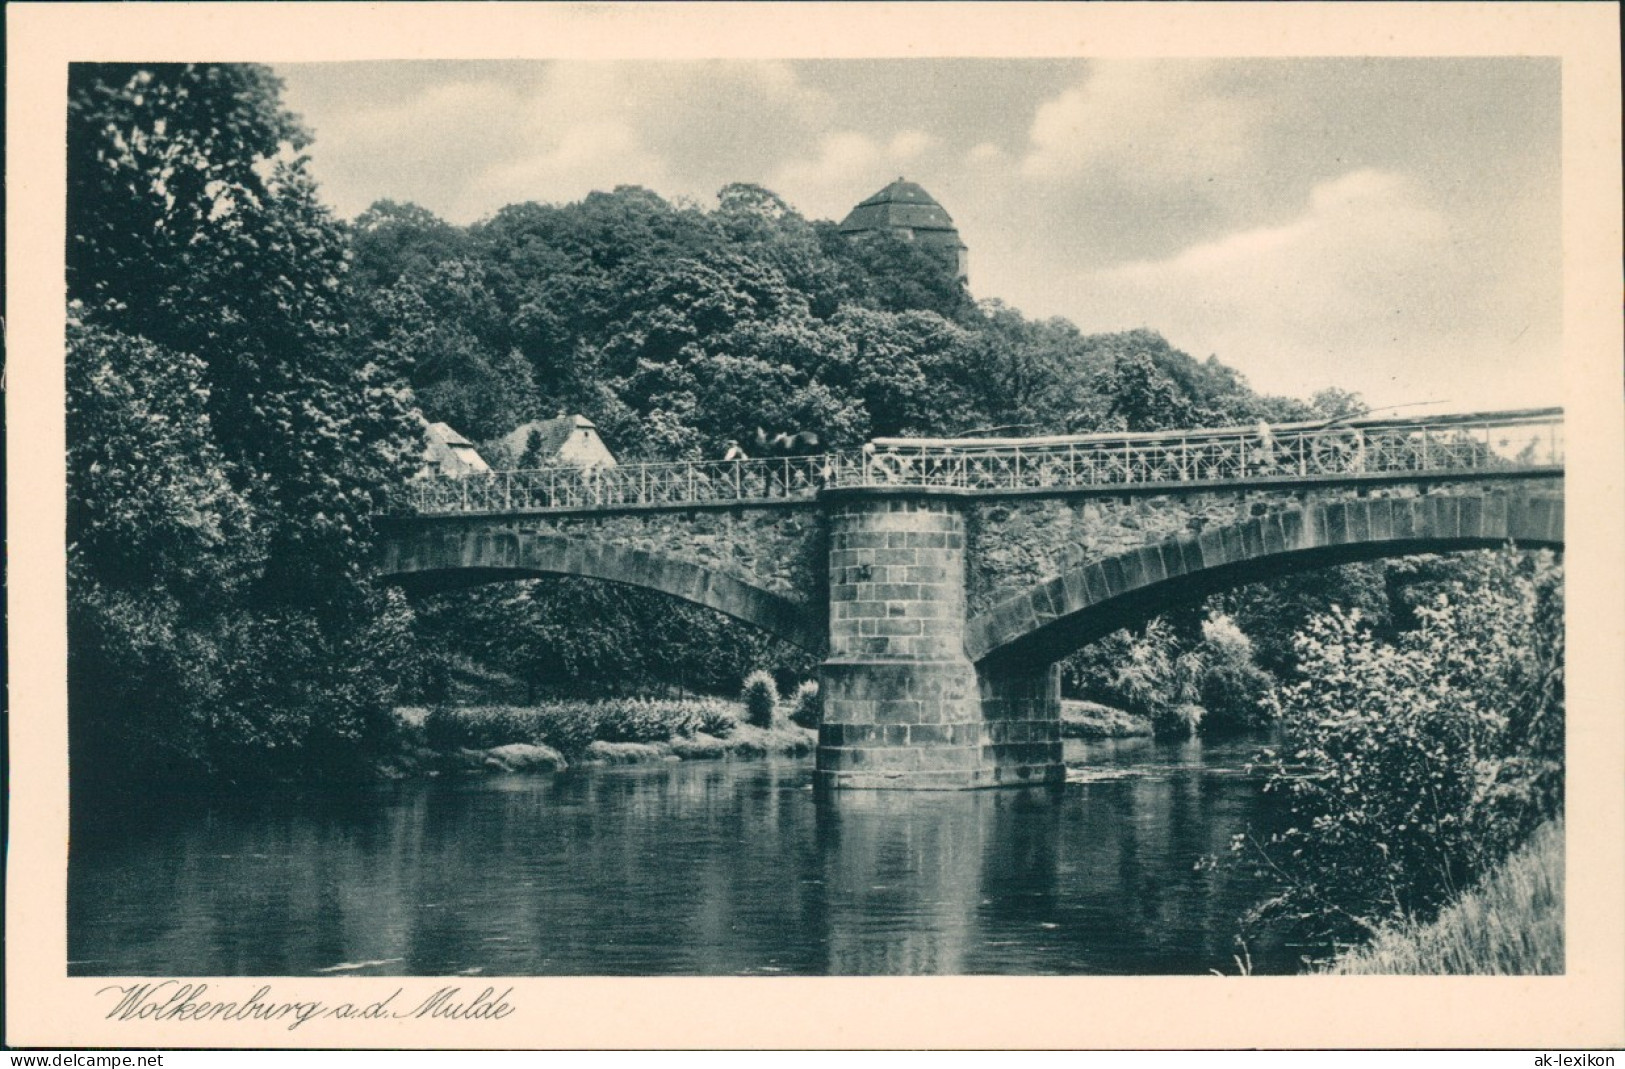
x=554, y=432
x=446, y=451
x=901, y=205
x=444, y=435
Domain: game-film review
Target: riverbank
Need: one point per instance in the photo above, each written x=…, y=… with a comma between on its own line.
x=553, y=736
x=1510, y=924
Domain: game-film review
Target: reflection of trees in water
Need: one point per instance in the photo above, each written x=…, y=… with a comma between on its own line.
x=695, y=868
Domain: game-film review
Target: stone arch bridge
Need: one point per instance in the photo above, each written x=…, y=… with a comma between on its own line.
x=941, y=581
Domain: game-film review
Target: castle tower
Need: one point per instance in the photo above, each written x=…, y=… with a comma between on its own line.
x=909, y=211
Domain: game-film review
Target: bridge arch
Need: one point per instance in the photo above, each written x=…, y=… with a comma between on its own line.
x=469, y=557
x=1055, y=617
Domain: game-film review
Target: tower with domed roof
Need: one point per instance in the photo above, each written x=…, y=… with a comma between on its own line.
x=907, y=210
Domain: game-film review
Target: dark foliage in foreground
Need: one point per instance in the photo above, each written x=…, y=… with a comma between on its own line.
x=229, y=445
x=1416, y=763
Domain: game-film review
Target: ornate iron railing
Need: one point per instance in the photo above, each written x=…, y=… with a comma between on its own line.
x=1530, y=439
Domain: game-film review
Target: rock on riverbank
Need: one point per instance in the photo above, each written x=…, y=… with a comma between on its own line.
x=535, y=755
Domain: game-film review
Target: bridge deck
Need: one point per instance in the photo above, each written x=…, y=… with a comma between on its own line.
x=1528, y=441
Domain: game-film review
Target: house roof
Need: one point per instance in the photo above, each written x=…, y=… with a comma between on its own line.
x=903, y=205
x=447, y=451
x=554, y=433
x=443, y=434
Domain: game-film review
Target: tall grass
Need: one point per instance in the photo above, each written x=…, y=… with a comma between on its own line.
x=1510, y=924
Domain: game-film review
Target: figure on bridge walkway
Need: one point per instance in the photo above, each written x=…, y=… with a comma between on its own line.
x=735, y=451
x=1264, y=457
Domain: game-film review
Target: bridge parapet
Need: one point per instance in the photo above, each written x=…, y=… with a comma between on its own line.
x=1476, y=445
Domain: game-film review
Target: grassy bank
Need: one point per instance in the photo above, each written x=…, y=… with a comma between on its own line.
x=1510, y=924
x=1090, y=720
x=553, y=735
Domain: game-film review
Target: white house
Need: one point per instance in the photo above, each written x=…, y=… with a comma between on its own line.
x=568, y=442
x=445, y=452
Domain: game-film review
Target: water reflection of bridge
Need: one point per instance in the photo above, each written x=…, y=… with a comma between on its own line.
x=942, y=579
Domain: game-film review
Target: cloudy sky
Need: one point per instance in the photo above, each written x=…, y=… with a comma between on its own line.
x=1385, y=225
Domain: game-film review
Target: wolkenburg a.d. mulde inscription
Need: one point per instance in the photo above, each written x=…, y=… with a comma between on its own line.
x=174, y=1000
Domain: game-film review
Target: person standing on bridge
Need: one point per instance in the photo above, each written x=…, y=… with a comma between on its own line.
x=1264, y=459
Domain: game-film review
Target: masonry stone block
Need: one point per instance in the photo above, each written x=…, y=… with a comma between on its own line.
x=1133, y=569
x=1360, y=521
x=1152, y=568
x=1382, y=519
x=1493, y=520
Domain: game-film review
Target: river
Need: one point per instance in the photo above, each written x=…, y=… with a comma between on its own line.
x=692, y=868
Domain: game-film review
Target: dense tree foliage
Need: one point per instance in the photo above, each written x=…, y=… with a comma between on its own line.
x=676, y=329
x=577, y=637
x=229, y=443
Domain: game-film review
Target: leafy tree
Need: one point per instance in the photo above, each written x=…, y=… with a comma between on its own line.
x=1031, y=377
x=441, y=323
x=1140, y=396
x=391, y=239
x=157, y=537
x=758, y=224
x=194, y=223
x=891, y=273
x=1333, y=403
x=231, y=446
x=1231, y=686
x=904, y=367
x=1142, y=671
x=583, y=637
x=1271, y=614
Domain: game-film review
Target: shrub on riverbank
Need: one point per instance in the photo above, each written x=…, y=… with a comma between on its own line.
x=1509, y=925
x=761, y=697
x=1232, y=687
x=1179, y=721
x=807, y=706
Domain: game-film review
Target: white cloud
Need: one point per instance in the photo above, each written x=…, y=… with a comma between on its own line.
x=1364, y=289
x=1162, y=121
x=574, y=161
x=987, y=155
x=465, y=144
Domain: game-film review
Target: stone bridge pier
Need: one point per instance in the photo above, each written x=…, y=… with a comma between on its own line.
x=904, y=706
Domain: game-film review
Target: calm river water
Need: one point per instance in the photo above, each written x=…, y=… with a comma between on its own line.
x=681, y=869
